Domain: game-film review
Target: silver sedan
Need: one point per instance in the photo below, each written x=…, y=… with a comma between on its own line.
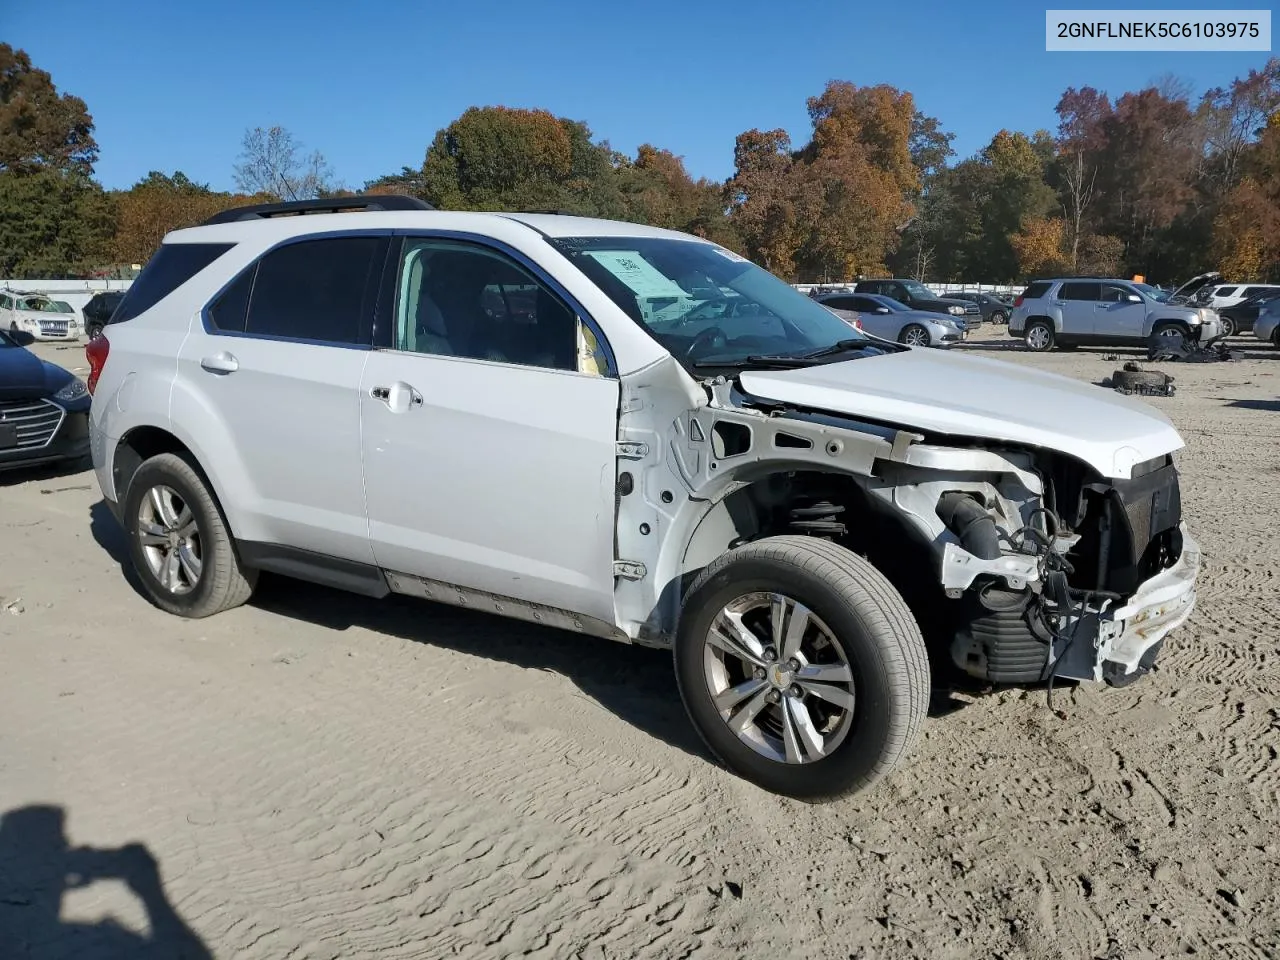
x=888, y=319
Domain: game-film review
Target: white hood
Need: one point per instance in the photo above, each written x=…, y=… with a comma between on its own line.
x=965, y=396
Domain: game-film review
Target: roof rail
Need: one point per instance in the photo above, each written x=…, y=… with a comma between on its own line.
x=558, y=213
x=368, y=201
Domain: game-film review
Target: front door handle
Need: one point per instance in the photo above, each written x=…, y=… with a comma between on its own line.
x=220, y=363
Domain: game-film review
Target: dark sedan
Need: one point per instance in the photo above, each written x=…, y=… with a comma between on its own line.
x=994, y=310
x=1239, y=317
x=44, y=409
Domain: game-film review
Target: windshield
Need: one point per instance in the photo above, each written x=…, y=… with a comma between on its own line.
x=61, y=306
x=38, y=305
x=918, y=289
x=706, y=305
x=1155, y=293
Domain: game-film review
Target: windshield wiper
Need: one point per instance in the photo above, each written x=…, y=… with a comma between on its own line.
x=791, y=359
x=840, y=346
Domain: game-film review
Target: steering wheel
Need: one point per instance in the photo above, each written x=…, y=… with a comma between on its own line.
x=712, y=337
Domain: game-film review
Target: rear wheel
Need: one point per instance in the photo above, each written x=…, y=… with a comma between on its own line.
x=801, y=667
x=999, y=317
x=1039, y=336
x=914, y=335
x=179, y=541
x=1228, y=326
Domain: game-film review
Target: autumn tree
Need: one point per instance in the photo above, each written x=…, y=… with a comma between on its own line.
x=274, y=163
x=1038, y=246
x=41, y=129
x=762, y=199
x=158, y=204
x=1081, y=142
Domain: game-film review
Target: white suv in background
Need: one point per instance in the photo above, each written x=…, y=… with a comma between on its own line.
x=634, y=434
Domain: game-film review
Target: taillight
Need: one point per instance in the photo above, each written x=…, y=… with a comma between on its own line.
x=96, y=350
x=1018, y=302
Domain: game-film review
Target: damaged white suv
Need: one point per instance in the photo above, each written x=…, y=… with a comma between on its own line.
x=632, y=434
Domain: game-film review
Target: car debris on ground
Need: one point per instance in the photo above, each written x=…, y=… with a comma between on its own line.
x=1174, y=346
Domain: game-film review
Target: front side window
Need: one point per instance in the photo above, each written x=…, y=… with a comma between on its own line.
x=917, y=290
x=311, y=290
x=707, y=306
x=458, y=299
x=1114, y=293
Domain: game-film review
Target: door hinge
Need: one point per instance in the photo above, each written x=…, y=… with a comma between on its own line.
x=631, y=450
x=629, y=569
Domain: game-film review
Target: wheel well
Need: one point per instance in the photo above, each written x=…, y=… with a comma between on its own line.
x=1040, y=317
x=1180, y=324
x=791, y=502
x=137, y=446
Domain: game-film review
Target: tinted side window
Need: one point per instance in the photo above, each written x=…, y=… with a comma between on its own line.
x=1113, y=293
x=171, y=266
x=841, y=303
x=1254, y=291
x=1036, y=290
x=1224, y=292
x=229, y=310
x=865, y=303
x=463, y=300
x=313, y=290
x=1080, y=291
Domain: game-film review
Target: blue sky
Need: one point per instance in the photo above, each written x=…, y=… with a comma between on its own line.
x=174, y=85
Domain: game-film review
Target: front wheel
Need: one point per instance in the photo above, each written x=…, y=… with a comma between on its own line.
x=999, y=317
x=1039, y=336
x=1228, y=327
x=914, y=335
x=801, y=667
x=179, y=541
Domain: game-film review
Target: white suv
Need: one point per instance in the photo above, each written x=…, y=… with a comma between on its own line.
x=633, y=434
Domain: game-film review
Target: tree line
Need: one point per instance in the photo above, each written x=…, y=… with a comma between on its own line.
x=1157, y=182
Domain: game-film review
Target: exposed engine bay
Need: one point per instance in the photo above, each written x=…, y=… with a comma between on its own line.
x=1016, y=562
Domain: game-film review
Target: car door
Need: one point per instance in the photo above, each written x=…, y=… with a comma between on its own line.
x=489, y=431
x=1076, y=300
x=278, y=361
x=1116, y=317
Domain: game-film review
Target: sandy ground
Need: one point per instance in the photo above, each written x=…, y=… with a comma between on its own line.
x=319, y=775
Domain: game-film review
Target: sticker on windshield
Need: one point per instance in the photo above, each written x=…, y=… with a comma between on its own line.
x=637, y=273
x=730, y=255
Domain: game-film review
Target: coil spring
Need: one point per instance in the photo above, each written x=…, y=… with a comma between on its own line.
x=818, y=519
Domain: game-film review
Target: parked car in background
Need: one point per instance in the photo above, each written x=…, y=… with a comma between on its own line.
x=44, y=409
x=914, y=294
x=1240, y=317
x=34, y=316
x=1080, y=311
x=888, y=319
x=1229, y=296
x=1267, y=326
x=98, y=311
x=993, y=309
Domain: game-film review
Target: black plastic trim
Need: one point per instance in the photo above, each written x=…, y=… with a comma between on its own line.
x=362, y=578
x=375, y=202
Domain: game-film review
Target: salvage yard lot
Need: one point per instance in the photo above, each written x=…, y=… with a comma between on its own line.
x=322, y=775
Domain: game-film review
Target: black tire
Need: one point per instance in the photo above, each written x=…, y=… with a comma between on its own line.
x=1037, y=343
x=999, y=317
x=880, y=641
x=93, y=330
x=222, y=583
x=917, y=332
x=1138, y=379
x=1228, y=326
x=1275, y=337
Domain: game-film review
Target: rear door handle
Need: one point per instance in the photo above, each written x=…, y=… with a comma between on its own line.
x=399, y=396
x=220, y=363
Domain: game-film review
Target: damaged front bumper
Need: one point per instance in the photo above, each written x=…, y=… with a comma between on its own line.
x=1011, y=642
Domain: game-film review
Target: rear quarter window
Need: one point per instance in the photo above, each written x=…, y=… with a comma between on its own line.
x=171, y=266
x=1037, y=290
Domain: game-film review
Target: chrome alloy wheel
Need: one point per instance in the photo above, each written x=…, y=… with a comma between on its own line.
x=779, y=678
x=170, y=540
x=1038, y=337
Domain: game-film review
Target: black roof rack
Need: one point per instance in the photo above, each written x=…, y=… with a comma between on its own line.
x=263, y=211
x=558, y=213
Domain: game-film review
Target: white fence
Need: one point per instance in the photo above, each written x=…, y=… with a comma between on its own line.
x=942, y=289
x=75, y=292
